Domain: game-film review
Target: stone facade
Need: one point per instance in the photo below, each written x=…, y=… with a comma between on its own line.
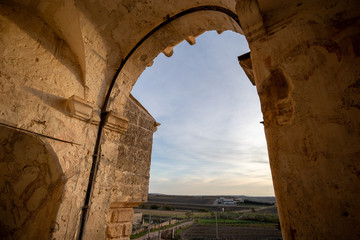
x=66, y=71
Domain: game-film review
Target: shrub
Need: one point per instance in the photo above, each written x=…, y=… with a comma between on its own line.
x=142, y=206
x=168, y=208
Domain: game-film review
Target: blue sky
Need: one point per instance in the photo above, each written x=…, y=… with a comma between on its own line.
x=210, y=141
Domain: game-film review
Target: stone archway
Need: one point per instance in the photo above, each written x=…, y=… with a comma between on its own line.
x=287, y=65
x=305, y=59
x=31, y=186
x=161, y=39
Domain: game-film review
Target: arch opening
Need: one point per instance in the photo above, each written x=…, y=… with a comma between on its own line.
x=304, y=56
x=209, y=112
x=187, y=28
x=210, y=141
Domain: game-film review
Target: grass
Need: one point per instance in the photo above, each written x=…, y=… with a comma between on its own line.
x=242, y=219
x=173, y=214
x=162, y=213
x=178, y=232
x=155, y=230
x=138, y=235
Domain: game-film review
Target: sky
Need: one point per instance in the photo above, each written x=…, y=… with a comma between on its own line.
x=210, y=141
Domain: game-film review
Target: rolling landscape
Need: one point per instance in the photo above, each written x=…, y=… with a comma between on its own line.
x=207, y=217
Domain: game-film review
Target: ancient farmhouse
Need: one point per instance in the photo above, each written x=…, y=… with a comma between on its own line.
x=76, y=146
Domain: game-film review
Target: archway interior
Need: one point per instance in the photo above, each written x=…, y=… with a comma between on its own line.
x=211, y=140
x=30, y=186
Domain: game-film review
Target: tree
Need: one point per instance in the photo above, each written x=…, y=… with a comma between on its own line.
x=189, y=214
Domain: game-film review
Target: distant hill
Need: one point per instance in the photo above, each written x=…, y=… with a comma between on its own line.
x=201, y=200
x=260, y=199
x=181, y=199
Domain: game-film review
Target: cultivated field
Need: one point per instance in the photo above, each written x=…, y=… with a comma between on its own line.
x=254, y=219
x=164, y=213
x=231, y=232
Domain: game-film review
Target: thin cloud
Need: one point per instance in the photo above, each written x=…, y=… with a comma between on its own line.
x=210, y=137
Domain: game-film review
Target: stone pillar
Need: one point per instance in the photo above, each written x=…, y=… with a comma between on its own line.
x=305, y=58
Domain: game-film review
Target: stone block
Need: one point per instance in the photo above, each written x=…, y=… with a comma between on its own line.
x=127, y=229
x=147, y=122
x=114, y=230
x=124, y=161
x=133, y=118
x=122, y=215
x=130, y=135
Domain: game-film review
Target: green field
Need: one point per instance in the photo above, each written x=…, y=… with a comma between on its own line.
x=172, y=214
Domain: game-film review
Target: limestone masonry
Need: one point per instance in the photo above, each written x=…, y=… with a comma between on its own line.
x=75, y=146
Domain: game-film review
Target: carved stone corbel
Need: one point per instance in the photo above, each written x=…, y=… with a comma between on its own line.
x=245, y=63
x=77, y=107
x=116, y=123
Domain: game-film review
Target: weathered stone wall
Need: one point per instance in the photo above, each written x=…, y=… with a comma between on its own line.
x=31, y=186
x=38, y=73
x=132, y=170
x=134, y=155
x=306, y=66
x=59, y=57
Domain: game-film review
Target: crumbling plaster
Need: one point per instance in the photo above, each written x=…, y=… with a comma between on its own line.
x=305, y=59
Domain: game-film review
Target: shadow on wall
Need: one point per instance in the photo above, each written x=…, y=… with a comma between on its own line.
x=49, y=99
x=30, y=186
x=41, y=32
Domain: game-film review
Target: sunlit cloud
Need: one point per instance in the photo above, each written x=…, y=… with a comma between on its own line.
x=210, y=140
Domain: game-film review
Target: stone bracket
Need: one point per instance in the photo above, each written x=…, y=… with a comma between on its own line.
x=116, y=123
x=245, y=63
x=79, y=108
